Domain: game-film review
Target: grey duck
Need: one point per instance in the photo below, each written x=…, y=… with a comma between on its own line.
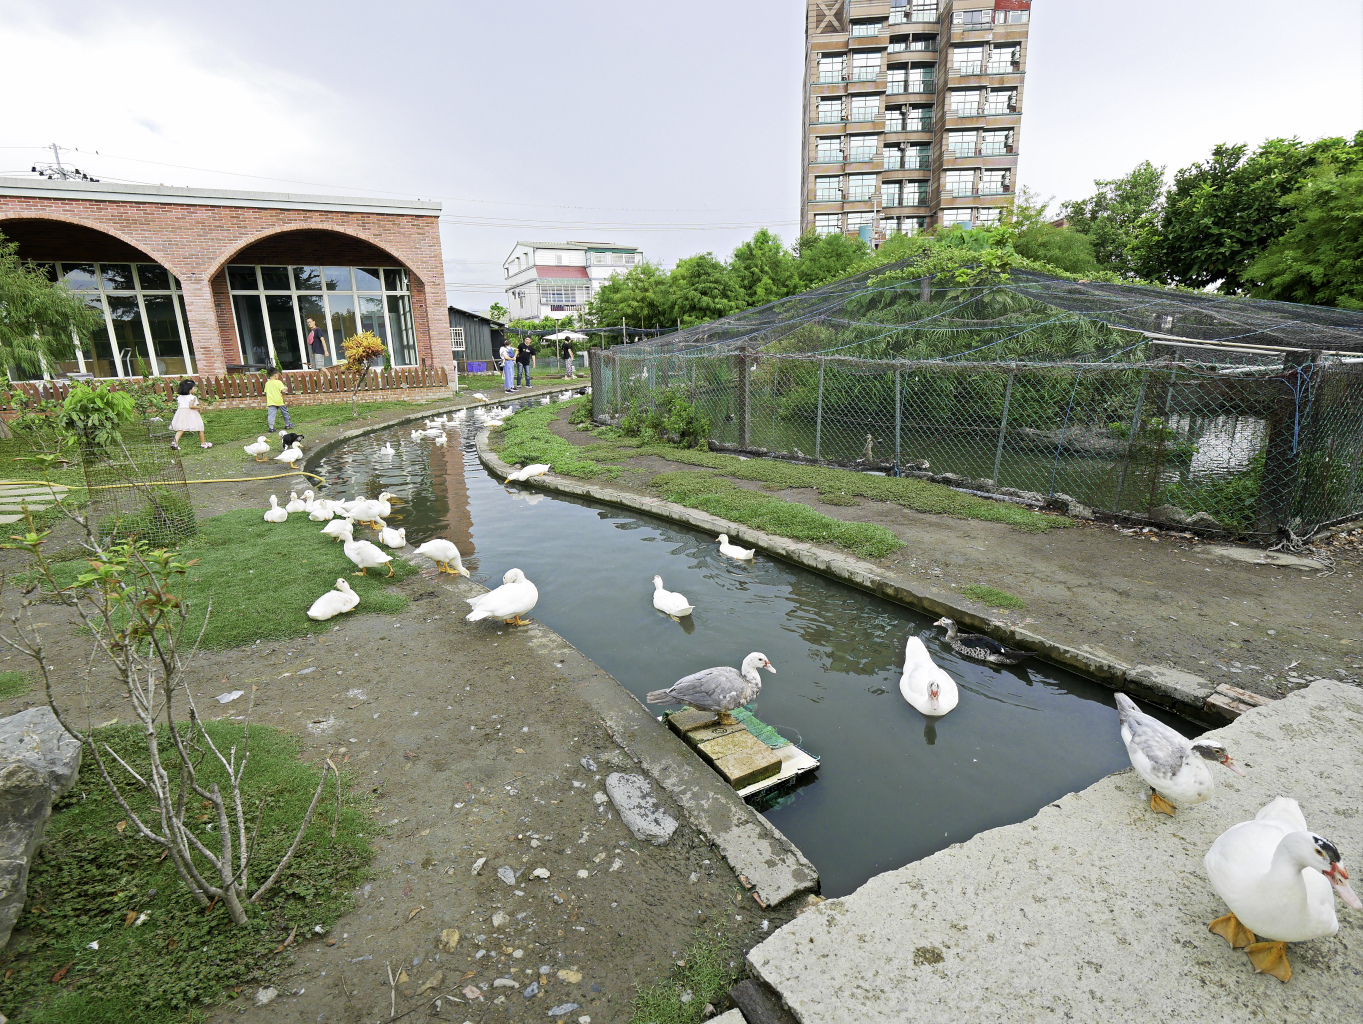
x=981, y=648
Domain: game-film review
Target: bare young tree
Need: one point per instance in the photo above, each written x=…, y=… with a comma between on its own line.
x=131, y=601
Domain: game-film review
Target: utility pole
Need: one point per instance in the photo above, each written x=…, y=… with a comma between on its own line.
x=57, y=171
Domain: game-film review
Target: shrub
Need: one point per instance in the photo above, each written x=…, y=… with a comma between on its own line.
x=672, y=419
x=93, y=415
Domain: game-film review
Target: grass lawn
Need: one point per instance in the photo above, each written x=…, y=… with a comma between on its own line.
x=91, y=878
x=14, y=684
x=262, y=578
x=993, y=597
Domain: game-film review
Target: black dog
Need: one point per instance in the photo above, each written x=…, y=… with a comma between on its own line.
x=291, y=439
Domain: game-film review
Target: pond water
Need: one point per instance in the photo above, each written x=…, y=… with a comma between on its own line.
x=892, y=787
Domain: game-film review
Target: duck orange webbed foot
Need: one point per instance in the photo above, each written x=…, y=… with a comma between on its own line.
x=1163, y=806
x=1270, y=958
x=1230, y=929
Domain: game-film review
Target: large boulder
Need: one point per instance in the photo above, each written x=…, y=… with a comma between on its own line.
x=39, y=761
x=639, y=808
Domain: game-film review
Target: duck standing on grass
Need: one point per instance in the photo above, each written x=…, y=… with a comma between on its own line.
x=514, y=598
x=367, y=556
x=1173, y=767
x=445, y=555
x=1276, y=876
x=334, y=602
x=275, y=514
x=720, y=689
x=258, y=448
x=981, y=648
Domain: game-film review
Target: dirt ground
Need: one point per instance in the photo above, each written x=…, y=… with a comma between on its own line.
x=1149, y=597
x=472, y=743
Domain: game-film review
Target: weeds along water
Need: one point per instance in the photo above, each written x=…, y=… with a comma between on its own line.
x=893, y=787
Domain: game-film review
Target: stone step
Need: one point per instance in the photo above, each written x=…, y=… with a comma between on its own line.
x=734, y=752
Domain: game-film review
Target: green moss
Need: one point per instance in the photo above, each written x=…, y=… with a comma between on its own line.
x=14, y=684
x=705, y=973
x=993, y=597
x=90, y=876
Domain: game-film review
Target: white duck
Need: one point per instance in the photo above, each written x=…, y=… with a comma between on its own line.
x=275, y=514
x=440, y=440
x=290, y=455
x=260, y=446
x=924, y=683
x=669, y=602
x=514, y=598
x=295, y=504
x=733, y=550
x=417, y=435
x=480, y=396
x=339, y=529
x=445, y=555
x=388, y=451
x=535, y=469
x=385, y=503
x=390, y=537
x=366, y=510
x=309, y=501
x=1175, y=768
x=320, y=512
x=719, y=689
x=1275, y=875
x=367, y=556
x=334, y=602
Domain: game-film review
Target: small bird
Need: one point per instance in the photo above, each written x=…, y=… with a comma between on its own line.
x=258, y=448
x=445, y=555
x=291, y=439
x=295, y=504
x=733, y=550
x=388, y=450
x=340, y=529
x=334, y=602
x=981, y=648
x=275, y=514
x=390, y=537
x=670, y=603
x=367, y=556
x=290, y=455
x=924, y=684
x=536, y=469
x=514, y=598
x=1276, y=876
x=1173, y=767
x=719, y=689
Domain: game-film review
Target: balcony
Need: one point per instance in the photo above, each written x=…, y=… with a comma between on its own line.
x=911, y=124
x=914, y=46
x=978, y=68
x=983, y=109
x=862, y=156
x=958, y=152
x=913, y=18
x=827, y=158
x=923, y=87
x=917, y=160
x=971, y=191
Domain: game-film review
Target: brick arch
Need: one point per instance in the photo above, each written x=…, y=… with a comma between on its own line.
x=136, y=250
x=309, y=227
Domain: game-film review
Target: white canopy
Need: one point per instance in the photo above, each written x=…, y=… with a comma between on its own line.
x=566, y=336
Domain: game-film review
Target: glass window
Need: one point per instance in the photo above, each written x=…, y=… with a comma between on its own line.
x=862, y=148
x=958, y=215
x=79, y=276
x=307, y=279
x=284, y=332
x=827, y=189
x=310, y=308
x=859, y=219
x=184, y=321
x=153, y=278
x=866, y=28
x=865, y=67
x=958, y=183
x=889, y=193
x=917, y=158
x=342, y=319
x=964, y=102
x=371, y=318
x=617, y=259
x=861, y=187
x=404, y=338
x=117, y=277
x=997, y=143
x=919, y=120
x=973, y=19
x=1003, y=59
x=49, y=270
x=165, y=335
x=629, y=261
x=828, y=151
x=827, y=223
x=275, y=279
x=988, y=218
x=967, y=60
x=100, y=360
x=912, y=225
x=830, y=111
x=1001, y=101
x=924, y=10
x=830, y=68
x=921, y=77
x=367, y=280
x=993, y=182
x=899, y=44
x=865, y=108
x=394, y=279
x=896, y=80
x=923, y=43
x=251, y=329
x=456, y=339
x=126, y=316
x=337, y=278
x=961, y=143
x=894, y=158
x=241, y=279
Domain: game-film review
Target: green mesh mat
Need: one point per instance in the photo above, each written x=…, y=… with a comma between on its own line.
x=760, y=729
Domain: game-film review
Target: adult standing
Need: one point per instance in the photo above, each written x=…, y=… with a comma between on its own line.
x=525, y=358
x=568, y=358
x=317, y=344
x=508, y=357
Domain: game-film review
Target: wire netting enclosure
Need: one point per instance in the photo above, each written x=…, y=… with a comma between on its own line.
x=137, y=488
x=1223, y=415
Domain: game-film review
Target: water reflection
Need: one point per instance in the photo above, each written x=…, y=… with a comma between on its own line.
x=1019, y=739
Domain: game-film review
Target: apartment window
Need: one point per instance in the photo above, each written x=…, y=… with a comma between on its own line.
x=997, y=143
x=924, y=10
x=921, y=77
x=958, y=183
x=894, y=119
x=860, y=219
x=915, y=193
x=865, y=67
x=558, y=259
x=899, y=44
x=919, y=120
x=827, y=223
x=897, y=80
x=973, y=19
x=890, y=193
x=994, y=183
x=958, y=215
x=967, y=60
x=617, y=259
x=903, y=225
x=861, y=148
x=865, y=108
x=894, y=158
x=961, y=143
x=828, y=151
x=1001, y=101
x=861, y=187
x=1004, y=59
x=630, y=260
x=917, y=158
x=899, y=17
x=1012, y=17
x=827, y=189
x=830, y=111
x=831, y=68
x=866, y=28
x=563, y=295
x=965, y=102
x=457, y=339
x=928, y=43
x=988, y=218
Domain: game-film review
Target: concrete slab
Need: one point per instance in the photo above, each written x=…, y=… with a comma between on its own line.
x=1256, y=556
x=5, y=520
x=1095, y=909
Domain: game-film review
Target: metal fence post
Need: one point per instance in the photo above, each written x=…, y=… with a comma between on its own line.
x=1130, y=445
x=897, y=418
x=775, y=380
x=1003, y=425
x=1282, y=453
x=818, y=416
x=744, y=398
x=615, y=359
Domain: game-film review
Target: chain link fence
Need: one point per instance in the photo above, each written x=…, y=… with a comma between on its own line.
x=137, y=488
x=1249, y=440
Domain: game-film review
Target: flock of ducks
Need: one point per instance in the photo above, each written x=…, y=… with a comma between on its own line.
x=259, y=449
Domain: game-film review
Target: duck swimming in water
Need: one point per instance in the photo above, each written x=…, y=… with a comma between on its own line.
x=981, y=648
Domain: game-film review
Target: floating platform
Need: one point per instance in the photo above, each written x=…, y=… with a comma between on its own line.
x=749, y=754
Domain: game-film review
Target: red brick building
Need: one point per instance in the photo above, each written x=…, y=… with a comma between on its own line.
x=199, y=280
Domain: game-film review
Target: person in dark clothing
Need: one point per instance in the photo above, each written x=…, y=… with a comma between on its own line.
x=317, y=344
x=525, y=359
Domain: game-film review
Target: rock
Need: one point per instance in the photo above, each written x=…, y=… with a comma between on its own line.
x=506, y=875
x=478, y=865
x=617, y=864
x=1169, y=514
x=449, y=940
x=563, y=1008
x=433, y=982
x=500, y=918
x=531, y=990
x=1164, y=684
x=639, y=808
x=471, y=992
x=39, y=761
x=540, y=873
x=600, y=797
x=503, y=983
x=588, y=763
x=265, y=995
x=571, y=977
x=583, y=873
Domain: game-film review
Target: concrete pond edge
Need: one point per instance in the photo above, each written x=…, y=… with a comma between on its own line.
x=1184, y=693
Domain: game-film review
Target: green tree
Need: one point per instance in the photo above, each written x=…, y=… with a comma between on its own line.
x=1117, y=216
x=639, y=298
x=1039, y=239
x=701, y=289
x=1319, y=260
x=825, y=258
x=1220, y=215
x=763, y=270
x=498, y=312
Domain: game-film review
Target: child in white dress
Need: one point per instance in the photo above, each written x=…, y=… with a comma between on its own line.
x=187, y=418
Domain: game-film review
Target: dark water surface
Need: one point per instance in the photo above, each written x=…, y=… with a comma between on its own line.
x=892, y=787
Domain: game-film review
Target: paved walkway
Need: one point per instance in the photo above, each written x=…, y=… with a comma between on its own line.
x=1096, y=909
x=15, y=498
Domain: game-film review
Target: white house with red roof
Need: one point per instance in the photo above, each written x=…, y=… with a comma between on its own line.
x=559, y=278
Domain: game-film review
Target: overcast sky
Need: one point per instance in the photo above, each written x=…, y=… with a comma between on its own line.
x=675, y=127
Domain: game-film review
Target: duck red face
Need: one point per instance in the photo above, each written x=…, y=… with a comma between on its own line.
x=934, y=692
